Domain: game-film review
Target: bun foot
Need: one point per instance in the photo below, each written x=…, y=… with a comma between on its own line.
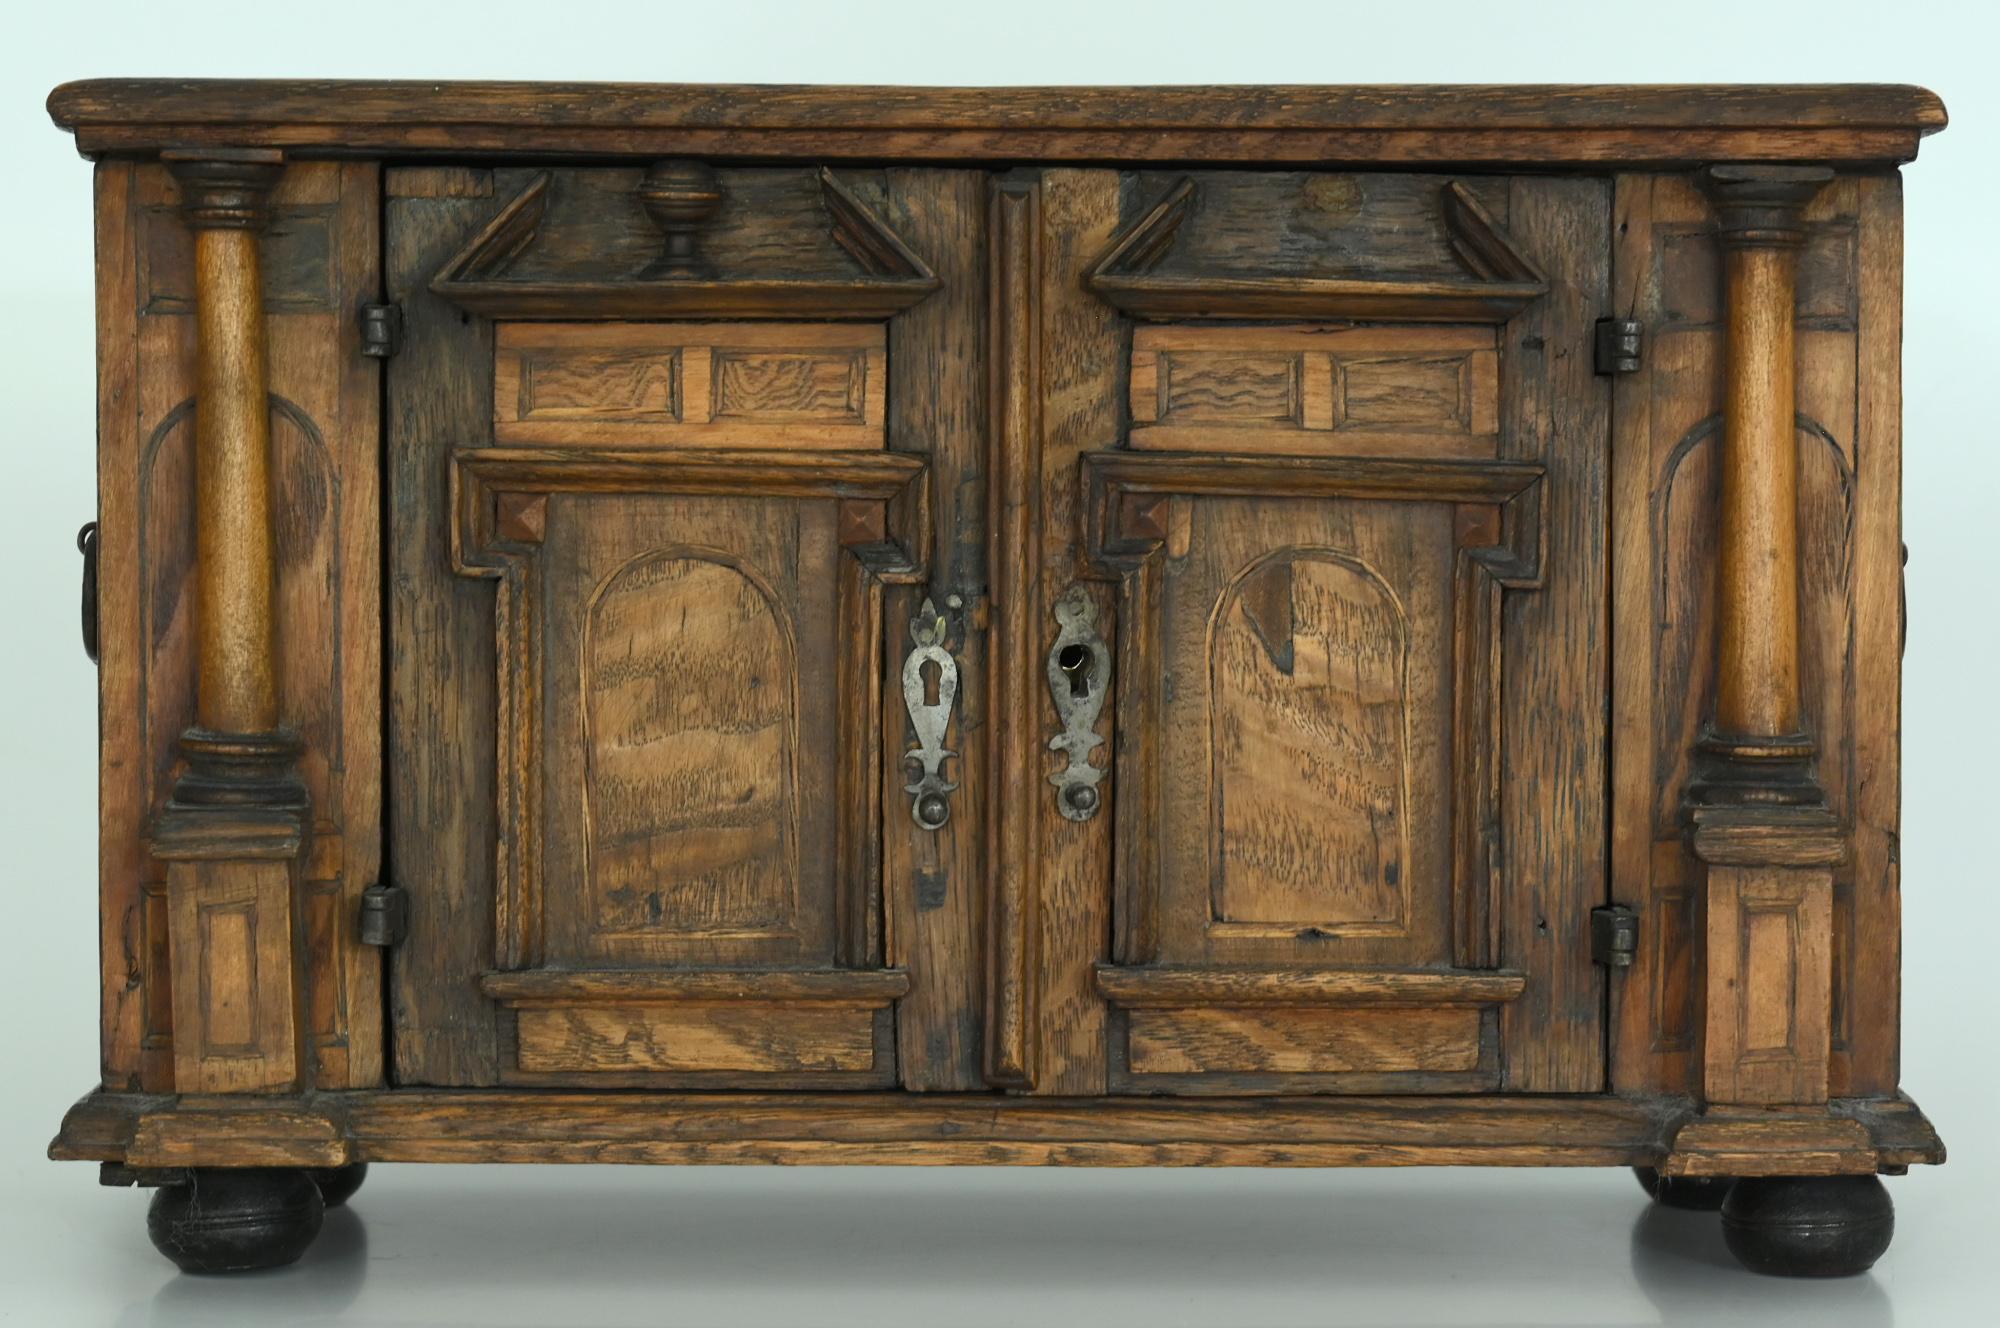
x=1808, y=1226
x=233, y=1220
x=1703, y=1194
x=338, y=1184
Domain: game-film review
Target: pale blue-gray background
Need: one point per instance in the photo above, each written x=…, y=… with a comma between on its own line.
x=551, y=1246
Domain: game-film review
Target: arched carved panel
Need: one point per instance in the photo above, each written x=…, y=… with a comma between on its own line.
x=1309, y=715
x=690, y=680
x=308, y=562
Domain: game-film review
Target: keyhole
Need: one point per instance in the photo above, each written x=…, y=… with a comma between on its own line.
x=931, y=672
x=1074, y=661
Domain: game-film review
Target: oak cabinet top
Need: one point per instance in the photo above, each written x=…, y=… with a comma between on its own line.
x=1463, y=125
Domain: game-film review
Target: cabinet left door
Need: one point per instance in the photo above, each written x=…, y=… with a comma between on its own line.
x=661, y=544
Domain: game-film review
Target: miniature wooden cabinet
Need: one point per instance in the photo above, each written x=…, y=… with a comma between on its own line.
x=1205, y=626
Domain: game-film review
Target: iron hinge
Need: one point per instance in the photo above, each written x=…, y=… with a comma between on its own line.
x=385, y=915
x=1614, y=935
x=1621, y=345
x=381, y=329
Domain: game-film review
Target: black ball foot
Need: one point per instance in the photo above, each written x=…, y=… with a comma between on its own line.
x=231, y=1220
x=1703, y=1194
x=338, y=1184
x=1808, y=1226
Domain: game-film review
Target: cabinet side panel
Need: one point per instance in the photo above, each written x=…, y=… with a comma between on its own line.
x=1667, y=444
x=132, y=985
x=441, y=673
x=320, y=260
x=1868, y=986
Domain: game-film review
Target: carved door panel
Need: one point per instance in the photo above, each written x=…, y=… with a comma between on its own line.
x=654, y=604
x=1357, y=532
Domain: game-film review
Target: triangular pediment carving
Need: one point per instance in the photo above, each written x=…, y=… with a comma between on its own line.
x=527, y=264
x=1490, y=281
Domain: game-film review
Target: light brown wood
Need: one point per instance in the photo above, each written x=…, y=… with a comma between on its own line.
x=238, y=1011
x=1264, y=1041
x=765, y=1037
x=832, y=986
x=1391, y=391
x=224, y=201
x=689, y=385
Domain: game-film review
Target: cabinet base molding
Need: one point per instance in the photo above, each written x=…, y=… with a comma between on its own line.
x=344, y=1128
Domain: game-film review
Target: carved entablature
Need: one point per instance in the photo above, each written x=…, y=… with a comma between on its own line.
x=683, y=240
x=1297, y=246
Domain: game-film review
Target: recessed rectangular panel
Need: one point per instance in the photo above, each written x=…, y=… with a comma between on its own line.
x=738, y=385
x=1316, y=391
x=745, y=1037
x=1282, y=1040
x=690, y=746
x=1304, y=754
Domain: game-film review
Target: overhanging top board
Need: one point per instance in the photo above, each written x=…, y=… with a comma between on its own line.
x=1512, y=125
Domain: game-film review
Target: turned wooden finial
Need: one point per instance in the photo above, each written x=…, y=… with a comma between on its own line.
x=681, y=197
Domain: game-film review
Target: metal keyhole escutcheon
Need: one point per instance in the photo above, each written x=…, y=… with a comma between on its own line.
x=1079, y=672
x=930, y=686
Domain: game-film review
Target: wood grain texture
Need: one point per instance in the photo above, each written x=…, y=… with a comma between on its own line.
x=1169, y=986
x=1014, y=524
x=1266, y=1041
x=1545, y=124
x=934, y=881
x=1668, y=430
x=1556, y=412
x=782, y=243
x=1083, y=360
x=905, y=1129
x=1366, y=391
x=690, y=385
x=319, y=257
x=441, y=776
x=762, y=1038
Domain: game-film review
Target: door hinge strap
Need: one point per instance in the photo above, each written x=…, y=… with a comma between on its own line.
x=385, y=915
x=381, y=330
x=1614, y=935
x=1621, y=345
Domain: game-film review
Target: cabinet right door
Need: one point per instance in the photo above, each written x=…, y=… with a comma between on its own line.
x=1358, y=529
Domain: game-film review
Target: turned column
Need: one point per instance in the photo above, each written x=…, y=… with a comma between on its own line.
x=1760, y=821
x=232, y=830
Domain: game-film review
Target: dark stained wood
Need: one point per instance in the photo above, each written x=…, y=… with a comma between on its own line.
x=1543, y=124
x=1134, y=988
x=1014, y=709
x=441, y=775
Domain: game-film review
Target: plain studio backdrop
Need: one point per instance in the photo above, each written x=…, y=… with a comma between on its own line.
x=588, y=1246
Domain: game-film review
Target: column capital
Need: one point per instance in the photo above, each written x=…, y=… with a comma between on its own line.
x=225, y=188
x=1761, y=205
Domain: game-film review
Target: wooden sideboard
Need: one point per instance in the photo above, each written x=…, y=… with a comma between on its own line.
x=1196, y=626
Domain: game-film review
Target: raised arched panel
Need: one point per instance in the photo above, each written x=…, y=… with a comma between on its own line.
x=1308, y=696
x=690, y=794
